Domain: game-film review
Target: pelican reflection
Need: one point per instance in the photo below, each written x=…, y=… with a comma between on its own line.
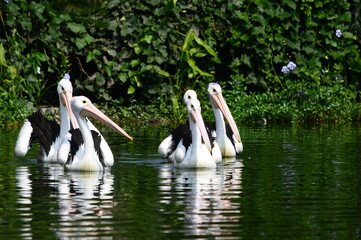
x=206, y=196
x=25, y=190
x=85, y=203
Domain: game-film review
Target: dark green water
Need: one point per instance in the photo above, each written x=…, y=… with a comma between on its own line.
x=290, y=183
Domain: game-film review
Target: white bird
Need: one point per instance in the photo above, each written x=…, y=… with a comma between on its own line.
x=168, y=145
x=81, y=148
x=48, y=133
x=195, y=149
x=227, y=136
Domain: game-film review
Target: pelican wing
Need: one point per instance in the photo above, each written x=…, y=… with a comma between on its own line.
x=36, y=128
x=23, y=143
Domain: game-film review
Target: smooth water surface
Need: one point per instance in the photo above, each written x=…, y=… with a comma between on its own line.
x=290, y=182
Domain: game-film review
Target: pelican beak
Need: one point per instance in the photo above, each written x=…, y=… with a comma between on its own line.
x=198, y=119
x=90, y=110
x=222, y=105
x=65, y=99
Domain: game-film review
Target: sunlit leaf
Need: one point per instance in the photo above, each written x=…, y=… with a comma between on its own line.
x=206, y=46
x=2, y=55
x=188, y=38
x=131, y=89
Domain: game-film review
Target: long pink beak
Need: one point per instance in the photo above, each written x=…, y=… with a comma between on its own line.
x=66, y=98
x=222, y=105
x=91, y=111
x=197, y=117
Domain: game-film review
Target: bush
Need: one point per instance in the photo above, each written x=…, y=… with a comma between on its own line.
x=150, y=52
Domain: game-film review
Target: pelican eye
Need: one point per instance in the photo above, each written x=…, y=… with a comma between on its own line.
x=84, y=101
x=62, y=89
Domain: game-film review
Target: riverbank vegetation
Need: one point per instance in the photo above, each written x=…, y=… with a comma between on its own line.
x=283, y=61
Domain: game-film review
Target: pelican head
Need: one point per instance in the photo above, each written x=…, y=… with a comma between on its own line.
x=83, y=107
x=189, y=95
x=65, y=92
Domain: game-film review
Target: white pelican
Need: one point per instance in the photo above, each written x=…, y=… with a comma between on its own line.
x=81, y=148
x=169, y=144
x=195, y=149
x=227, y=136
x=47, y=132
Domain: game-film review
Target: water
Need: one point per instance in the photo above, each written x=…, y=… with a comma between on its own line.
x=291, y=182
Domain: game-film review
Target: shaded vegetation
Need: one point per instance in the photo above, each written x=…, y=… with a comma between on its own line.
x=136, y=58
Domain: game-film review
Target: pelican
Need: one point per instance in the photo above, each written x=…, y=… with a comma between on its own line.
x=195, y=149
x=169, y=144
x=81, y=148
x=227, y=136
x=47, y=132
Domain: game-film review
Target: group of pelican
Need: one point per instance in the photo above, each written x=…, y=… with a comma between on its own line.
x=75, y=143
x=197, y=144
x=79, y=146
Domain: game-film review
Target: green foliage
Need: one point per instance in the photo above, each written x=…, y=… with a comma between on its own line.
x=149, y=52
x=301, y=101
x=36, y=43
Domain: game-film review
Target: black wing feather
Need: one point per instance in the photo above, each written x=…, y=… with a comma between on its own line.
x=45, y=131
x=183, y=132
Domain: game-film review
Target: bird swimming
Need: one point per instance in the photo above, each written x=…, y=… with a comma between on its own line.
x=195, y=149
x=48, y=133
x=168, y=145
x=81, y=148
x=227, y=136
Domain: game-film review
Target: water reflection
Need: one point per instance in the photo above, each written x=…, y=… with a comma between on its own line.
x=206, y=195
x=84, y=201
x=24, y=189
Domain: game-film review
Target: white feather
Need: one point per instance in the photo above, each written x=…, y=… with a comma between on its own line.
x=23, y=142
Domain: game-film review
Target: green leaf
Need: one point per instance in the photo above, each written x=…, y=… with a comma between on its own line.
x=80, y=43
x=134, y=63
x=290, y=3
x=88, y=39
x=148, y=38
x=123, y=77
x=131, y=89
x=205, y=45
x=38, y=9
x=76, y=28
x=26, y=24
x=137, y=50
x=91, y=55
x=187, y=40
x=195, y=68
x=160, y=71
x=347, y=35
x=2, y=55
x=40, y=56
x=346, y=17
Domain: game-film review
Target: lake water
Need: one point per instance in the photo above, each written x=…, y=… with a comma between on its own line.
x=291, y=182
